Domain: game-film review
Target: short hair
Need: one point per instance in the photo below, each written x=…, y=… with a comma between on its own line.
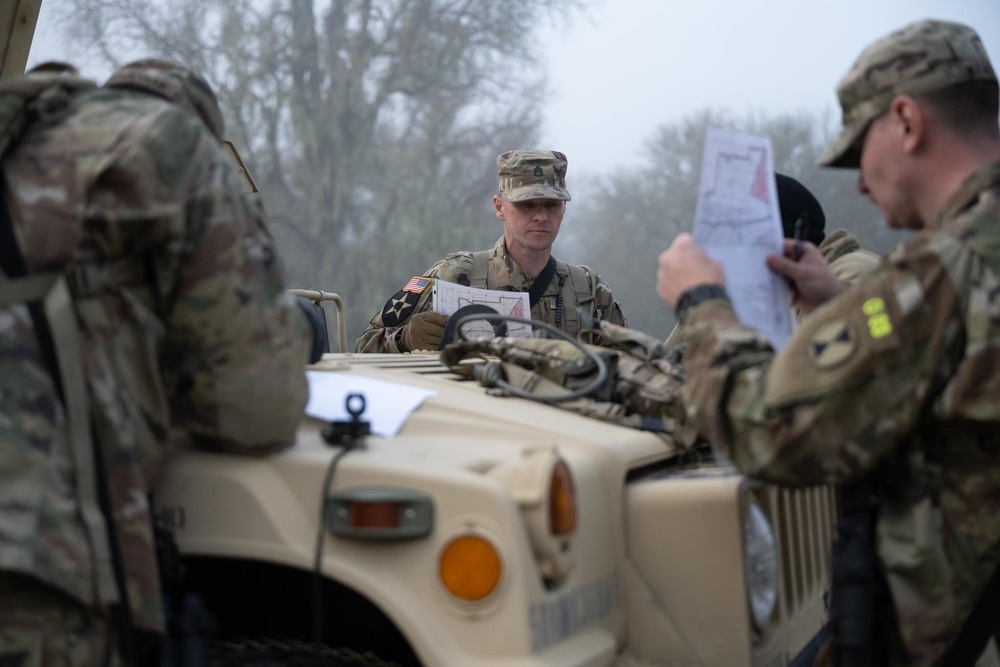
x=973, y=105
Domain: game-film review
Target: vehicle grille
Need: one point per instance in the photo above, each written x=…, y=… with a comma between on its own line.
x=803, y=521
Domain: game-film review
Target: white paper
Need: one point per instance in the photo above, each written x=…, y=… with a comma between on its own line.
x=449, y=297
x=737, y=223
x=387, y=404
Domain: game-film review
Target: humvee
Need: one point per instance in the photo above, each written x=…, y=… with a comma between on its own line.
x=498, y=530
x=486, y=530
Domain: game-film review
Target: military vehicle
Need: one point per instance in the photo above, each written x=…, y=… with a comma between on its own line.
x=497, y=530
x=486, y=530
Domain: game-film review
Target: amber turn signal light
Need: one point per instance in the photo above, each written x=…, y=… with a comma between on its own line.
x=470, y=568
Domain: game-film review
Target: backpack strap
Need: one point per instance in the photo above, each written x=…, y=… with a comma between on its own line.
x=480, y=268
x=541, y=283
x=582, y=286
x=585, y=287
x=56, y=328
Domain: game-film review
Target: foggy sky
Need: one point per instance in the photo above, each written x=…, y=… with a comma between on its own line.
x=626, y=66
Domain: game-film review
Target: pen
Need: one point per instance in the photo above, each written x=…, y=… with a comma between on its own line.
x=800, y=226
x=797, y=233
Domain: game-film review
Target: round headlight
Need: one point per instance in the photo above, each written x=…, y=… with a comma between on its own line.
x=760, y=562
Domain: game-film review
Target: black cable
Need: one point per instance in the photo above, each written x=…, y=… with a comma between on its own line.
x=317, y=578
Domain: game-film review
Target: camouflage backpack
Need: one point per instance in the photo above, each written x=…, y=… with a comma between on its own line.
x=44, y=96
x=639, y=388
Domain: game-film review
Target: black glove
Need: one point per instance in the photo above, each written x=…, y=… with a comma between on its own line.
x=423, y=331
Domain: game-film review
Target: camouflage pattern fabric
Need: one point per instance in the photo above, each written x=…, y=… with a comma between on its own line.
x=40, y=625
x=523, y=175
x=847, y=259
x=918, y=59
x=502, y=274
x=641, y=390
x=898, y=375
x=187, y=332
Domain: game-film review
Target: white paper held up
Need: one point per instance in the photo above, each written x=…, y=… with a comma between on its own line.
x=737, y=223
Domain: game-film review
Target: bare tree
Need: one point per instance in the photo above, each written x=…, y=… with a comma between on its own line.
x=371, y=126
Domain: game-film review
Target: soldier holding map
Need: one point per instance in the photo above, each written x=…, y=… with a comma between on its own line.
x=531, y=202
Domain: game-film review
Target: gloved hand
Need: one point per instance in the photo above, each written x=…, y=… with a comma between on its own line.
x=424, y=331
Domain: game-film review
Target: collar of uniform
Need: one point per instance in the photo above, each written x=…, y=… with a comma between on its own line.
x=506, y=275
x=968, y=192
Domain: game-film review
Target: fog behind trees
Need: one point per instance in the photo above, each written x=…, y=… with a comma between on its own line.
x=372, y=127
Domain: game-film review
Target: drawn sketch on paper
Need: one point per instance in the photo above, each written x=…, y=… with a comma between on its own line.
x=738, y=224
x=449, y=297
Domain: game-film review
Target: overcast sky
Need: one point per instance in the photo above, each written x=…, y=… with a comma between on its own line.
x=625, y=67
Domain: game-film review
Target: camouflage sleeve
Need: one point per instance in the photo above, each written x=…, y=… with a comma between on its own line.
x=381, y=338
x=386, y=326
x=847, y=387
x=378, y=337
x=236, y=344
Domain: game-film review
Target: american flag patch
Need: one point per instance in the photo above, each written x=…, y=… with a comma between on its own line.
x=416, y=284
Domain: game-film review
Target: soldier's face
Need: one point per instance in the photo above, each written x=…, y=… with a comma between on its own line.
x=885, y=174
x=532, y=224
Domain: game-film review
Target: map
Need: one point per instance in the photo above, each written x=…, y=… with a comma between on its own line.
x=449, y=297
x=737, y=223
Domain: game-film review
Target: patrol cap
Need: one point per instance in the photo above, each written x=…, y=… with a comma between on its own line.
x=532, y=175
x=173, y=82
x=918, y=59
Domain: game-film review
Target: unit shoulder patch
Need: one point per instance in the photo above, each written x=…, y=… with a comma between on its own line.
x=398, y=307
x=833, y=343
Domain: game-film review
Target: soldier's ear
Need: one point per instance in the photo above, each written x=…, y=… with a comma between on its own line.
x=909, y=118
x=498, y=206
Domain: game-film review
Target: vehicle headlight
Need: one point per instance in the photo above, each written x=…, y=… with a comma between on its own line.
x=541, y=482
x=760, y=562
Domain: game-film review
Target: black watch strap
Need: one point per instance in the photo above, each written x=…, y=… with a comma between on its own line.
x=692, y=296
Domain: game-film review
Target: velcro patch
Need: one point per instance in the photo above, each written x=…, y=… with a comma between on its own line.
x=398, y=307
x=417, y=284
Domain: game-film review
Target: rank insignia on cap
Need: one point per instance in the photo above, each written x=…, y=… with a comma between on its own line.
x=398, y=307
x=416, y=284
x=833, y=344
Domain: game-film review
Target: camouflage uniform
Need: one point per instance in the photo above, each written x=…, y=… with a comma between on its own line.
x=187, y=334
x=557, y=305
x=522, y=175
x=896, y=377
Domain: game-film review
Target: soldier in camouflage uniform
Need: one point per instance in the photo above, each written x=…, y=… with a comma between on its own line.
x=531, y=202
x=894, y=378
x=186, y=336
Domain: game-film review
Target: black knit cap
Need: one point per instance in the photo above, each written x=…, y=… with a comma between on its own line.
x=795, y=201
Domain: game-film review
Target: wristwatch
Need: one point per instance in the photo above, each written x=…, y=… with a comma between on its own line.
x=692, y=296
